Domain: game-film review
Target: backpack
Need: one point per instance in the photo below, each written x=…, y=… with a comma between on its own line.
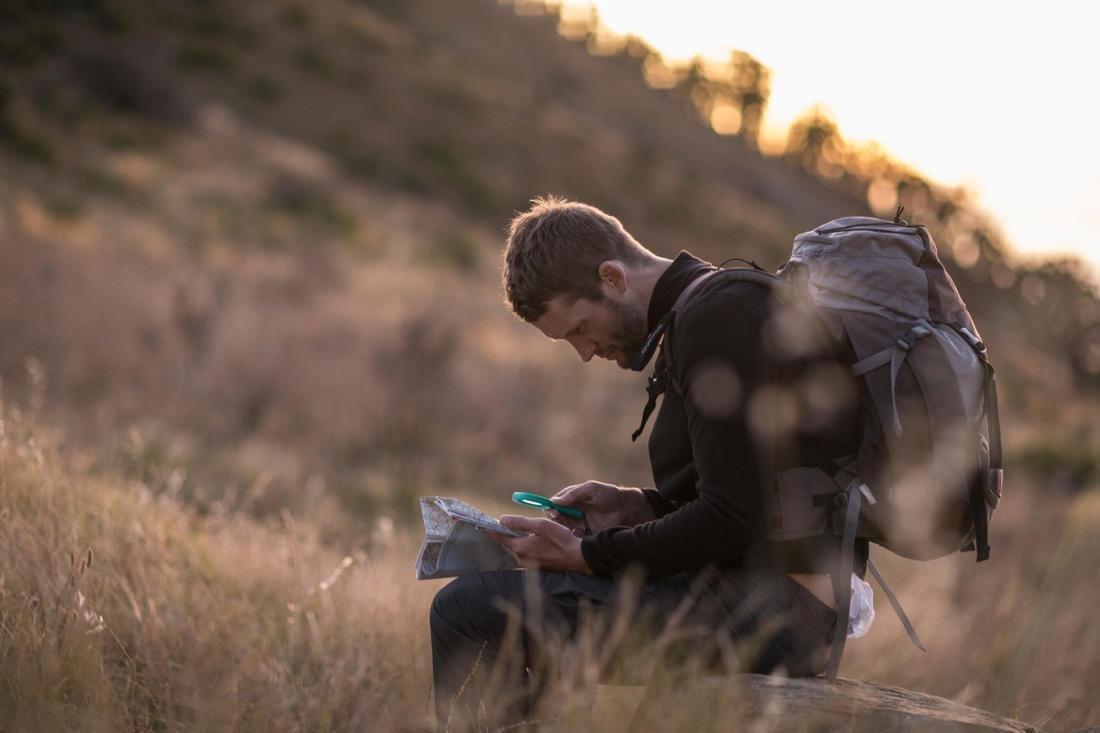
x=927, y=473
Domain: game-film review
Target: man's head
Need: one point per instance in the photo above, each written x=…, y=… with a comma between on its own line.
x=576, y=274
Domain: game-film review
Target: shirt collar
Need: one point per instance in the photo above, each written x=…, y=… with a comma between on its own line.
x=685, y=268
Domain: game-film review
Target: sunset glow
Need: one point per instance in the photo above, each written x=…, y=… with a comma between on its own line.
x=996, y=98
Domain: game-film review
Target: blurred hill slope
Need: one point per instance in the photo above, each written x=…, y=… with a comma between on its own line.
x=462, y=102
x=250, y=248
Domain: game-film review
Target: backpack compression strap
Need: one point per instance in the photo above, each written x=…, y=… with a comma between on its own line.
x=994, y=482
x=893, y=355
x=986, y=489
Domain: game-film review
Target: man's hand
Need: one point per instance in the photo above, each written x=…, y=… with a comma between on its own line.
x=604, y=505
x=549, y=545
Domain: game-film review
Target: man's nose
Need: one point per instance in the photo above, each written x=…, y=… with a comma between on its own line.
x=586, y=350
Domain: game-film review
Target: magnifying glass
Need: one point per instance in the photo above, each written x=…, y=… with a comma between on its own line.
x=526, y=498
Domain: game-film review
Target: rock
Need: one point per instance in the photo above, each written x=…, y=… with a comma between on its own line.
x=760, y=702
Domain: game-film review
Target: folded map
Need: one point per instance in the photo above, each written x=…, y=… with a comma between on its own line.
x=455, y=540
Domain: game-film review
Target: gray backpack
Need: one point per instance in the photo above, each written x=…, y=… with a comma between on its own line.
x=927, y=473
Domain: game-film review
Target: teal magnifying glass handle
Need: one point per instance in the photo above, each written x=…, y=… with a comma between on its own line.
x=526, y=498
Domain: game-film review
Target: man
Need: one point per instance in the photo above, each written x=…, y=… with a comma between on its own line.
x=699, y=537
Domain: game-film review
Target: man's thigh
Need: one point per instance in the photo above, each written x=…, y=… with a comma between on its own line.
x=740, y=622
x=478, y=605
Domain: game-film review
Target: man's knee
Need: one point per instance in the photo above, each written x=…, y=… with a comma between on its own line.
x=450, y=601
x=473, y=605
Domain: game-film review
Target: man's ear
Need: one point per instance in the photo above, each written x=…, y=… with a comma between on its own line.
x=613, y=276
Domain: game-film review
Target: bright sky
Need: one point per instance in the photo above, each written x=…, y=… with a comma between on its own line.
x=998, y=96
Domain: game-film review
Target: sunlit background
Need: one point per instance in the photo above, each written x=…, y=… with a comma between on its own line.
x=251, y=310
x=996, y=97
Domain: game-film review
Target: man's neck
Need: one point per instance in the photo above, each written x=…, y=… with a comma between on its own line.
x=645, y=279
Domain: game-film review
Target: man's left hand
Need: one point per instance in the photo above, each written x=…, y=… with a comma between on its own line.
x=549, y=546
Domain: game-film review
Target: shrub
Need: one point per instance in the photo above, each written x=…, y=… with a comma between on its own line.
x=310, y=204
x=1074, y=464
x=203, y=57
x=123, y=79
x=265, y=89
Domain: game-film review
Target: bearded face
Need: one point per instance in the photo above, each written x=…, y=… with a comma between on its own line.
x=608, y=328
x=627, y=331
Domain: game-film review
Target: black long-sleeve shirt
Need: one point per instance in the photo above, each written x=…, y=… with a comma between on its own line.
x=710, y=466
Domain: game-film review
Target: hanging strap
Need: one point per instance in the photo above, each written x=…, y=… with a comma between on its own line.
x=655, y=387
x=902, y=616
x=842, y=579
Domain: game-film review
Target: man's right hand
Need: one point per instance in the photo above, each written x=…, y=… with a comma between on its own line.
x=604, y=505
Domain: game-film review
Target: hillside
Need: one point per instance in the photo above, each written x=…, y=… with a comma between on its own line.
x=121, y=610
x=250, y=309
x=409, y=97
x=234, y=235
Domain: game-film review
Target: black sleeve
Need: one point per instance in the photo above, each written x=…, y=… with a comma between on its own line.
x=718, y=360
x=660, y=503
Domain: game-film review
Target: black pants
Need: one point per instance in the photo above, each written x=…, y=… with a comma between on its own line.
x=491, y=630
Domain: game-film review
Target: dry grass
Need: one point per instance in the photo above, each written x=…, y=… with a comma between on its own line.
x=1012, y=635
x=124, y=610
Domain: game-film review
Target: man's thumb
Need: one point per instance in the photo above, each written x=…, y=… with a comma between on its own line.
x=573, y=494
x=523, y=524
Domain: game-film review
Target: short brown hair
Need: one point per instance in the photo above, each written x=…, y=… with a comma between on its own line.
x=556, y=248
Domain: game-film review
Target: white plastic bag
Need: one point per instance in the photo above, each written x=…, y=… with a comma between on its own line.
x=861, y=611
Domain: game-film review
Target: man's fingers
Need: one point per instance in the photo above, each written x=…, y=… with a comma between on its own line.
x=546, y=543
x=563, y=493
x=572, y=495
x=563, y=520
x=519, y=547
x=507, y=543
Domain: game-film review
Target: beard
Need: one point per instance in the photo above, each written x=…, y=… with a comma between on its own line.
x=629, y=332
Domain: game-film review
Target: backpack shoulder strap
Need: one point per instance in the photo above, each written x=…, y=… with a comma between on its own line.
x=736, y=274
x=688, y=295
x=663, y=373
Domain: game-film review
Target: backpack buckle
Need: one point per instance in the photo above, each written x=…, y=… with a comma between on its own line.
x=974, y=341
x=910, y=339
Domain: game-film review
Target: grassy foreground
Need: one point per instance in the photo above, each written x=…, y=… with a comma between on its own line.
x=125, y=610
x=120, y=610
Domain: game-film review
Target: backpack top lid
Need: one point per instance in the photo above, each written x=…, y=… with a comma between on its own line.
x=888, y=268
